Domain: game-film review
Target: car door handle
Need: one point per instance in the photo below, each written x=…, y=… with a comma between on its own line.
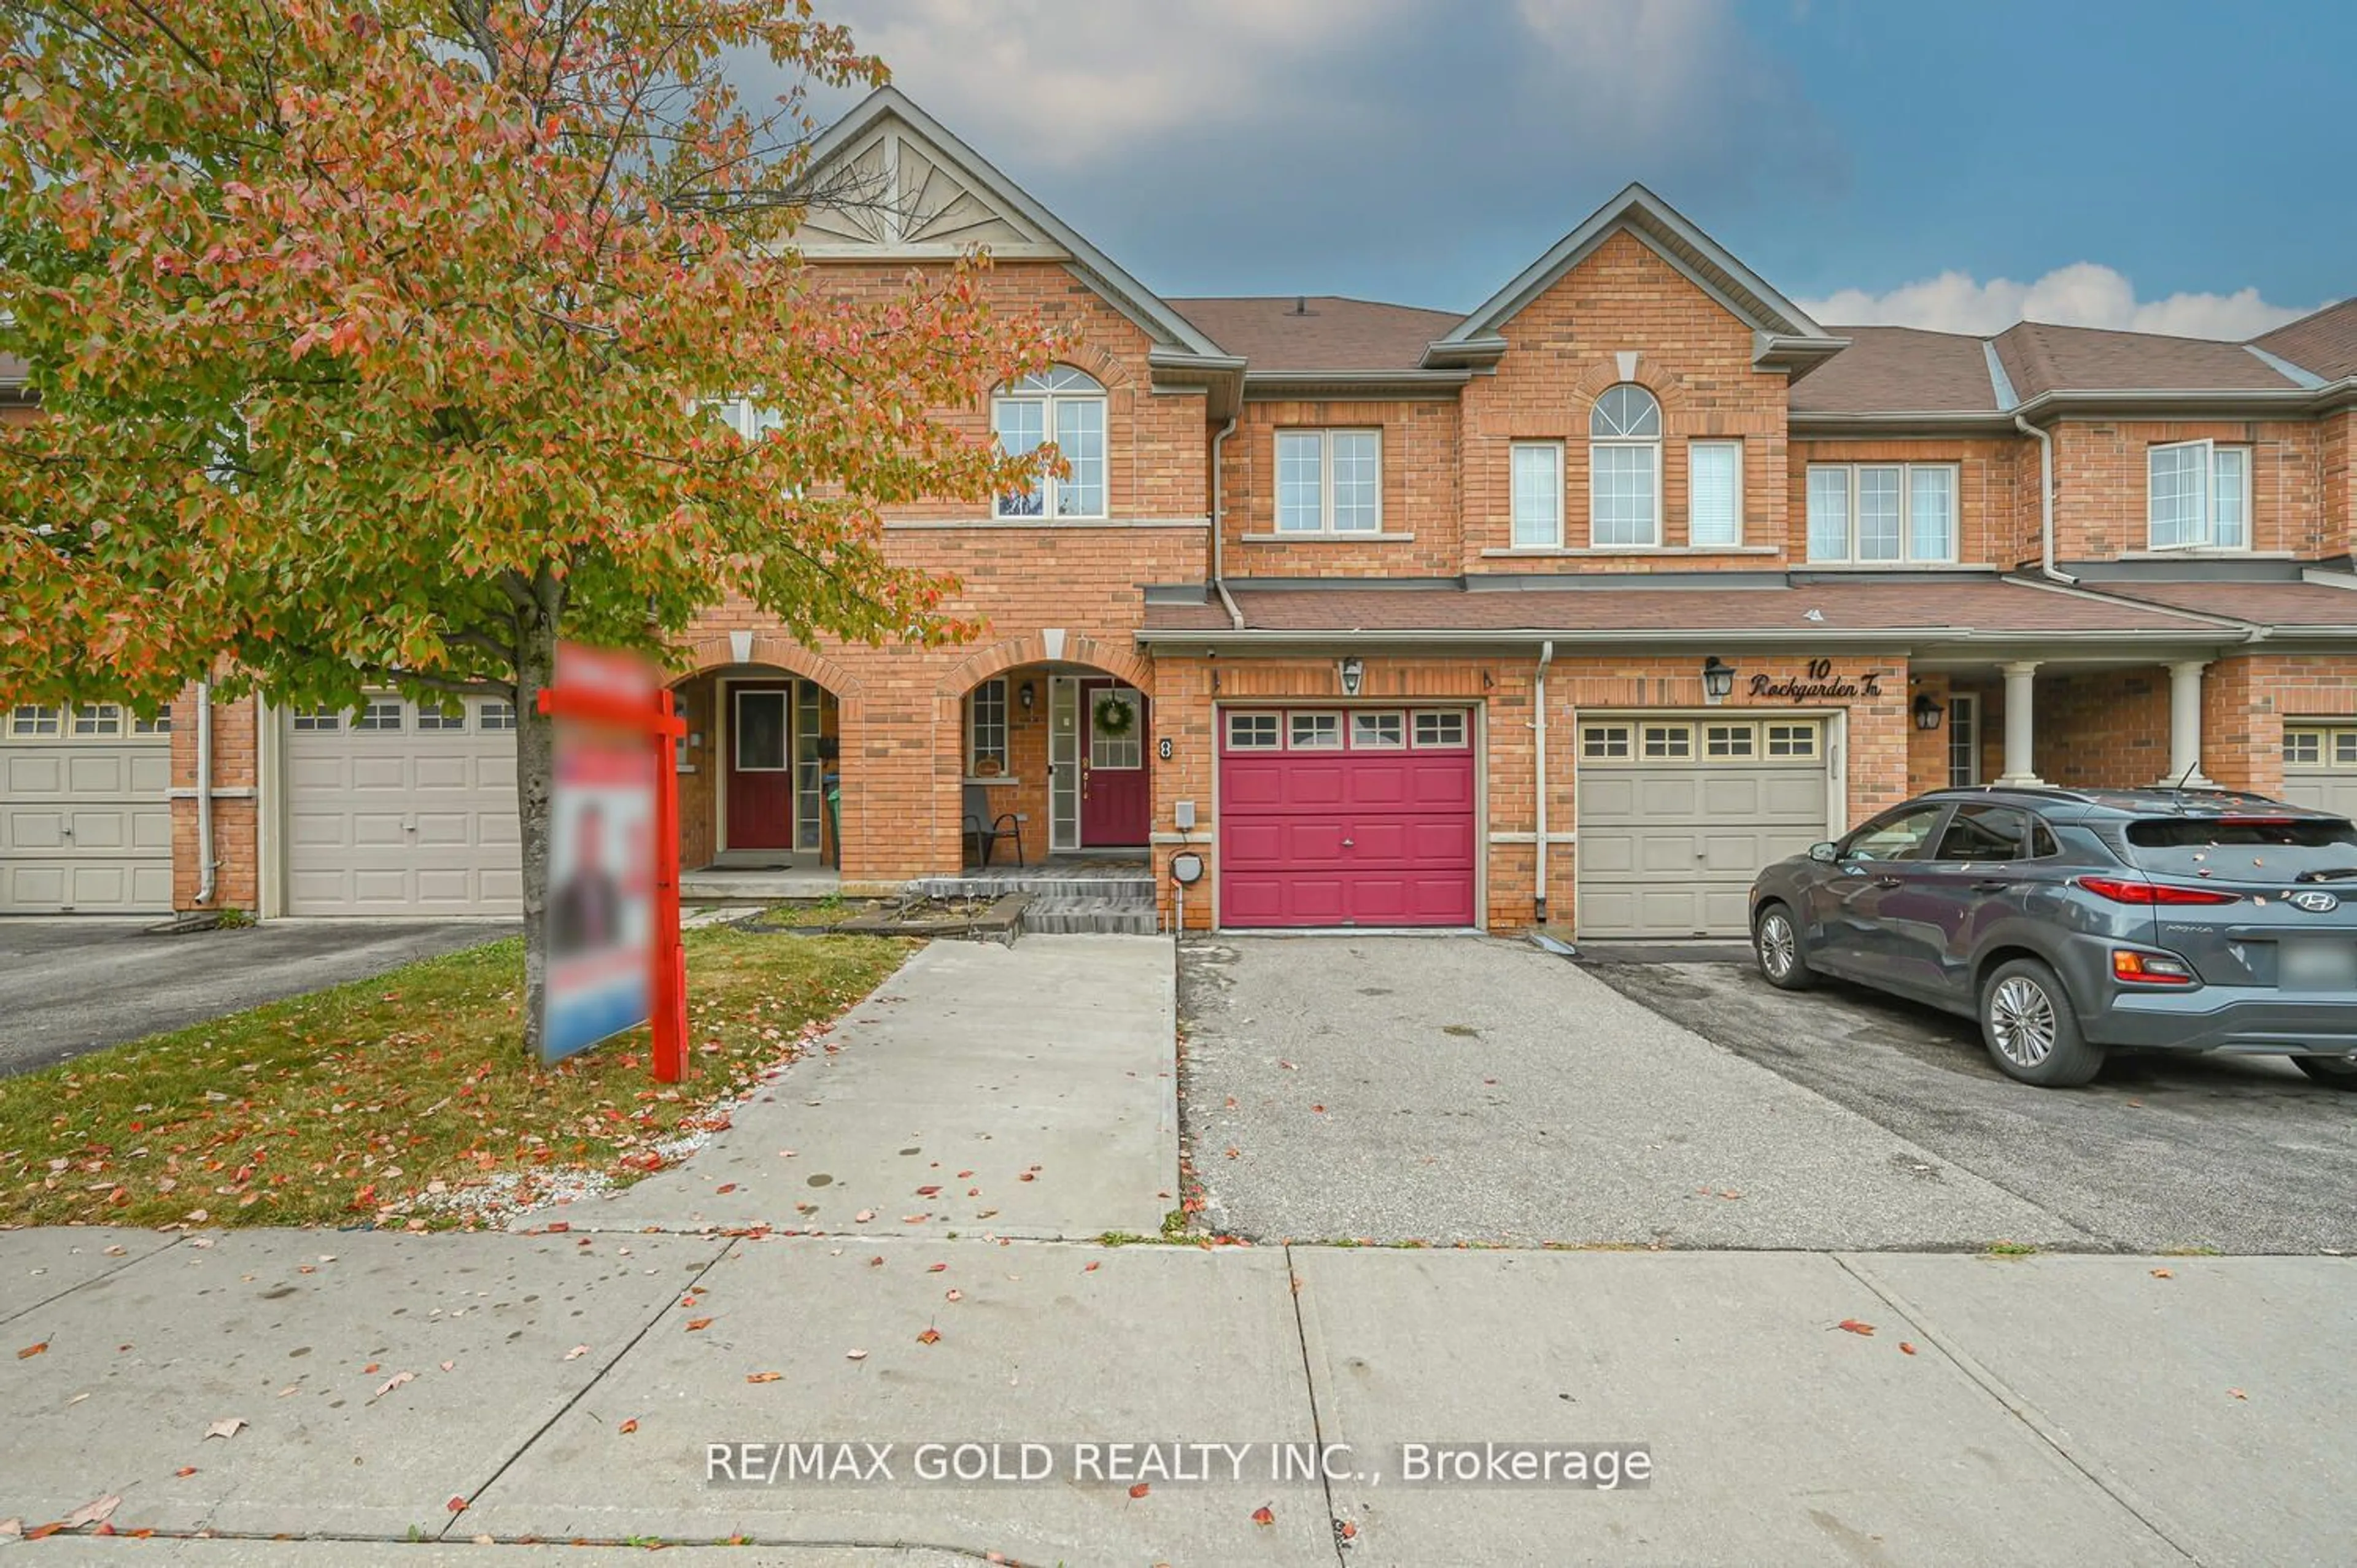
x=1993, y=884
x=1885, y=882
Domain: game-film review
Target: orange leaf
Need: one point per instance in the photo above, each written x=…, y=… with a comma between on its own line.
x=1262, y=1517
x=2157, y=1274
x=929, y=1337
x=1905, y=1349
x=1852, y=1326
x=186, y=1470
x=29, y=1352
x=629, y=1426
x=1090, y=1269
x=764, y=1377
x=725, y=1186
x=937, y=1268
x=457, y=1504
x=697, y=1324
x=1140, y=1489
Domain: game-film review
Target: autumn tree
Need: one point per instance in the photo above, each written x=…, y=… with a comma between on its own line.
x=377, y=340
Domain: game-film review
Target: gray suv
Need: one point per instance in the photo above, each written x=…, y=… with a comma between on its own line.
x=2072, y=922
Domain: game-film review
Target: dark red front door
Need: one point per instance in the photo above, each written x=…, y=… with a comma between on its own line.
x=1344, y=817
x=760, y=766
x=1116, y=798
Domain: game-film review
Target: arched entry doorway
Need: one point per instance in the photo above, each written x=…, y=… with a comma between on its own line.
x=761, y=768
x=1054, y=750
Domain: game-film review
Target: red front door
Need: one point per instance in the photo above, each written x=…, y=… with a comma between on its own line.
x=1117, y=796
x=1346, y=817
x=760, y=766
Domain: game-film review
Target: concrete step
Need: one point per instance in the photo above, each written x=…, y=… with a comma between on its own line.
x=1138, y=888
x=1066, y=914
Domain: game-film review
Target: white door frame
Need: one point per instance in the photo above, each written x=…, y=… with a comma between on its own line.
x=724, y=758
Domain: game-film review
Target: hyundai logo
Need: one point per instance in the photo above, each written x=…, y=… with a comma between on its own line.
x=2316, y=901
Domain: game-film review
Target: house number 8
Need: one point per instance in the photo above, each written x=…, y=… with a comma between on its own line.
x=1162, y=748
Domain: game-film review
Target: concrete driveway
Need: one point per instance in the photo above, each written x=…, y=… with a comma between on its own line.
x=70, y=986
x=2231, y=1154
x=1451, y=1088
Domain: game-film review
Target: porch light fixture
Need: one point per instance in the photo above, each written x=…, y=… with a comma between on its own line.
x=1354, y=671
x=1927, y=711
x=1717, y=679
x=1026, y=694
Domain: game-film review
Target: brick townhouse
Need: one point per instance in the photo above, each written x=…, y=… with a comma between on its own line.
x=1577, y=608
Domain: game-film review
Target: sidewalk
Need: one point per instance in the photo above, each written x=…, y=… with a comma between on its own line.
x=2054, y=1409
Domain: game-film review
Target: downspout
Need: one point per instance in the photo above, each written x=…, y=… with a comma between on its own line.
x=1538, y=732
x=2045, y=500
x=205, y=876
x=1220, y=526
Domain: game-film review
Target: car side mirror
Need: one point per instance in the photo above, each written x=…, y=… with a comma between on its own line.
x=1823, y=853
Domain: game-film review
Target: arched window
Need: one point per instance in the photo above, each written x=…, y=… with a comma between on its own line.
x=1067, y=407
x=1624, y=469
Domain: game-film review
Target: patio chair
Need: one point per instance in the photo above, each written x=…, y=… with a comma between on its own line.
x=983, y=829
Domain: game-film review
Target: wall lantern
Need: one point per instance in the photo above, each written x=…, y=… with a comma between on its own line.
x=1354, y=671
x=1717, y=679
x=1026, y=694
x=1927, y=712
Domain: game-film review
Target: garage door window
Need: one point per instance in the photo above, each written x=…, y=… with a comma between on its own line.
x=378, y=714
x=1723, y=742
x=453, y=717
x=1604, y=743
x=28, y=721
x=2304, y=745
x=98, y=718
x=1792, y=740
x=498, y=715
x=1317, y=732
x=1668, y=742
x=1378, y=732
x=321, y=719
x=161, y=725
x=1253, y=732
x=1439, y=732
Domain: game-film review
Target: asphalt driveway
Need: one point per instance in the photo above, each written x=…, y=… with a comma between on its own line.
x=70, y=986
x=2238, y=1154
x=1454, y=1089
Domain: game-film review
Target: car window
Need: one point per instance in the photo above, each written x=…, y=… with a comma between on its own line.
x=2042, y=843
x=2263, y=849
x=1984, y=834
x=1900, y=836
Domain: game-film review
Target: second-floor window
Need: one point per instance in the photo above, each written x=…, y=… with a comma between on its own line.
x=1065, y=407
x=1538, y=494
x=1882, y=513
x=1329, y=481
x=1624, y=469
x=1714, y=493
x=2199, y=495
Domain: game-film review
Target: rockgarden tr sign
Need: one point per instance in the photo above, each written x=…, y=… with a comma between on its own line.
x=1818, y=684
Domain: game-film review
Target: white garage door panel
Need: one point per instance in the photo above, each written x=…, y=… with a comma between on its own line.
x=1667, y=847
x=406, y=822
x=86, y=827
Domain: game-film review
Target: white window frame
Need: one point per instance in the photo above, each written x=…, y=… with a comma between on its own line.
x=1676, y=742
x=1734, y=448
x=433, y=718
x=378, y=716
x=1536, y=526
x=1325, y=728
x=991, y=693
x=1608, y=742
x=495, y=715
x=1963, y=739
x=320, y=720
x=97, y=721
x=1620, y=439
x=2206, y=529
x=1274, y=739
x=1790, y=741
x=1367, y=727
x=2315, y=742
x=1453, y=721
x=29, y=721
x=161, y=725
x=1326, y=527
x=1724, y=742
x=1051, y=392
x=1907, y=556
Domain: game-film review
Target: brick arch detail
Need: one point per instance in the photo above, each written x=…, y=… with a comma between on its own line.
x=714, y=650
x=1604, y=374
x=1120, y=662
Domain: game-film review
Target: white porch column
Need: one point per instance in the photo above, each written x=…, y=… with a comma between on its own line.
x=2018, y=771
x=2185, y=724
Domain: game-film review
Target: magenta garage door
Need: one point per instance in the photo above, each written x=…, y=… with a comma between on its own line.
x=1346, y=817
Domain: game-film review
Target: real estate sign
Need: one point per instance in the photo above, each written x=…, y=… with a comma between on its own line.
x=601, y=872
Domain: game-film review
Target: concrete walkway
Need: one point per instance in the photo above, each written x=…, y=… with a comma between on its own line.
x=1026, y=1090
x=2079, y=1410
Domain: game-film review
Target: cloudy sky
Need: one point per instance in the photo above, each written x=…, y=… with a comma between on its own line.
x=2162, y=165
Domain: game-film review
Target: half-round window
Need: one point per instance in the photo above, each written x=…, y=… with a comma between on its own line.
x=1624, y=469
x=1626, y=413
x=1065, y=407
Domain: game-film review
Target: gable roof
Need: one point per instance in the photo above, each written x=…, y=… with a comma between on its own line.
x=2039, y=357
x=976, y=204
x=2323, y=343
x=1777, y=321
x=1318, y=332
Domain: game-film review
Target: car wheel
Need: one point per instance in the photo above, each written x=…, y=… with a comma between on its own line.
x=1776, y=943
x=2031, y=1029
x=2338, y=1072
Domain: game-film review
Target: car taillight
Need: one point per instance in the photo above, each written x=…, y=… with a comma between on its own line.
x=2149, y=968
x=2120, y=892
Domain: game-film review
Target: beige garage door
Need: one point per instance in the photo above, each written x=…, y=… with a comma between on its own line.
x=85, y=813
x=2320, y=764
x=1675, y=814
x=398, y=811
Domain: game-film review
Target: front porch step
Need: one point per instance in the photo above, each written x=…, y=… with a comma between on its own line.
x=1052, y=884
x=1067, y=914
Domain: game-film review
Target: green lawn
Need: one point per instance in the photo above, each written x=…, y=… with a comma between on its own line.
x=367, y=1103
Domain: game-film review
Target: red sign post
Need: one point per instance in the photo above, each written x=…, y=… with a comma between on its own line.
x=662, y=727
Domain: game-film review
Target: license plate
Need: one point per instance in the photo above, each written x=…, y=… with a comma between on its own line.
x=2313, y=963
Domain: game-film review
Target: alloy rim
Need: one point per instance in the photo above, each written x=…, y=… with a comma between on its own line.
x=2021, y=1018
x=1776, y=945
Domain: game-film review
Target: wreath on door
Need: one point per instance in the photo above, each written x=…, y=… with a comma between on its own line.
x=1115, y=718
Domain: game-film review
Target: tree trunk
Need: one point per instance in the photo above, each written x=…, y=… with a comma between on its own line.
x=535, y=790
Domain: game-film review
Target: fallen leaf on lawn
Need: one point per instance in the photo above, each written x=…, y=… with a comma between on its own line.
x=698, y=1324
x=576, y=1352
x=929, y=1337
x=95, y=1512
x=764, y=1377
x=629, y=1426
x=2162, y=1274
x=855, y=1355
x=228, y=1426
x=1140, y=1489
x=1235, y=1153
x=1852, y=1326
x=29, y=1352
x=1905, y=1349
x=1262, y=1516
x=394, y=1382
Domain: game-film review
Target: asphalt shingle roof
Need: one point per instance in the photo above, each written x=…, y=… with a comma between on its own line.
x=1318, y=332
